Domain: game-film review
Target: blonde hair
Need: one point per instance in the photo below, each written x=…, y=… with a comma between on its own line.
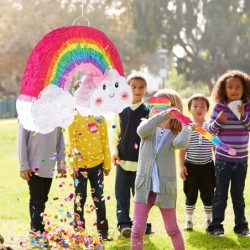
x=176, y=101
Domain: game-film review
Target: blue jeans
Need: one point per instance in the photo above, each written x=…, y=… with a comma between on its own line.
x=124, y=185
x=226, y=172
x=96, y=177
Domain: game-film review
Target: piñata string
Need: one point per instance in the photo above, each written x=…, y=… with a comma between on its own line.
x=81, y=17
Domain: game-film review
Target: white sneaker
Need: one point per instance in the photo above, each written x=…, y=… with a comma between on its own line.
x=188, y=226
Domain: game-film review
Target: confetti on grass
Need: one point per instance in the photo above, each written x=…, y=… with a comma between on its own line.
x=60, y=233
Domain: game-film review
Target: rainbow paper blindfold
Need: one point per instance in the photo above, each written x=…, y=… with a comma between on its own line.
x=159, y=102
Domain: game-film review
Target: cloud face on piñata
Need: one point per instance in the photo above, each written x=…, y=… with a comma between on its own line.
x=113, y=94
x=102, y=94
x=45, y=103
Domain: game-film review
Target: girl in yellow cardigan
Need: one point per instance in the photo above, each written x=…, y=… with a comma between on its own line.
x=89, y=159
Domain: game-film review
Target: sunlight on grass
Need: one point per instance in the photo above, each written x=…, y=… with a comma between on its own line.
x=14, y=217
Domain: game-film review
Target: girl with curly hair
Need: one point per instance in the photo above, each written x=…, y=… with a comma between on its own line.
x=230, y=121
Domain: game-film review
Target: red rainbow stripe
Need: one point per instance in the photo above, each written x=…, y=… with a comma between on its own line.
x=63, y=49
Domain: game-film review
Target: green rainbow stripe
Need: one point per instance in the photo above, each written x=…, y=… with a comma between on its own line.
x=74, y=52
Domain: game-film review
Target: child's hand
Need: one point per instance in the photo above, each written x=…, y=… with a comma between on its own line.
x=168, y=113
x=241, y=109
x=116, y=160
x=194, y=126
x=183, y=173
x=106, y=172
x=26, y=174
x=74, y=174
x=61, y=173
x=222, y=117
x=155, y=110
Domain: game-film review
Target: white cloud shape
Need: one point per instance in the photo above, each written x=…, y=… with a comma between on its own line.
x=54, y=108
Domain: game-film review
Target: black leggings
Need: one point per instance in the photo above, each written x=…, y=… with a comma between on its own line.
x=96, y=177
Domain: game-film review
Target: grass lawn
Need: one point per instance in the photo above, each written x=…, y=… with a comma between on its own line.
x=14, y=217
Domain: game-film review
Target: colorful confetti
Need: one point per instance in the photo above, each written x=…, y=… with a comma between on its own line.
x=36, y=169
x=60, y=228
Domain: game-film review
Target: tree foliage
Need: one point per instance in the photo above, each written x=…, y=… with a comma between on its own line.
x=23, y=23
x=212, y=36
x=204, y=38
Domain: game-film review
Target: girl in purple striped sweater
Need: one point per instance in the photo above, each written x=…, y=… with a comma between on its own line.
x=232, y=126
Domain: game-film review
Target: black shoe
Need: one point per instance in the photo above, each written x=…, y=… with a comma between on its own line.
x=126, y=232
x=245, y=233
x=106, y=238
x=219, y=233
x=149, y=229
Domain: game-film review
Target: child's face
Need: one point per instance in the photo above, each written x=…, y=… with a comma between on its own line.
x=233, y=89
x=139, y=89
x=198, y=109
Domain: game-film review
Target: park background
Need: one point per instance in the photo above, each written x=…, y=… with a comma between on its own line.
x=180, y=44
x=14, y=214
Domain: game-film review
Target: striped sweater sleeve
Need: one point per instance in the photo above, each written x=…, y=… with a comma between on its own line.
x=233, y=132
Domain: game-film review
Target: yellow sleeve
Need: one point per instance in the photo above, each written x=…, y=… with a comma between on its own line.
x=70, y=144
x=115, y=135
x=105, y=144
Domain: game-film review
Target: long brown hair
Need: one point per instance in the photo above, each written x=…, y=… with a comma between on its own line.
x=176, y=101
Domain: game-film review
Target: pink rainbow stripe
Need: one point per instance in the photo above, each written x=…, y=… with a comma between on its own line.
x=159, y=102
x=61, y=51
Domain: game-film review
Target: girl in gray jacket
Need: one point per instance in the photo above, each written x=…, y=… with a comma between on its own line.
x=156, y=177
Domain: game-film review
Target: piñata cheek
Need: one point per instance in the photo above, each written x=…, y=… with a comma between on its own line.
x=125, y=96
x=99, y=101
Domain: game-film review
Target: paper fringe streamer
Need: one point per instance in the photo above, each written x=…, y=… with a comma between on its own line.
x=162, y=102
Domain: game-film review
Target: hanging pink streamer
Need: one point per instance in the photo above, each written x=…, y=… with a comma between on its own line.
x=215, y=140
x=163, y=103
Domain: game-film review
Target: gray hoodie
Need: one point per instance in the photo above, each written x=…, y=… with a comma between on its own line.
x=40, y=152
